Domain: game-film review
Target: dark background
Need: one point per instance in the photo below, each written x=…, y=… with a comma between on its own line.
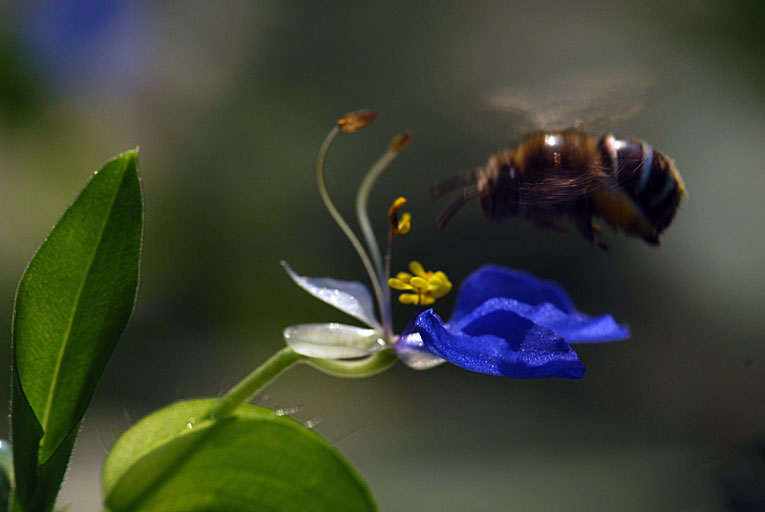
x=229, y=103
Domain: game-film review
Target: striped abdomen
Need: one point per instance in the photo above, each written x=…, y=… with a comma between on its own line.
x=647, y=182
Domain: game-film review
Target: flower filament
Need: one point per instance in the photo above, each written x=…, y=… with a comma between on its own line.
x=374, y=266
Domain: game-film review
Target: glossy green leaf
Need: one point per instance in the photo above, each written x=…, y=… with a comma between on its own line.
x=177, y=460
x=72, y=304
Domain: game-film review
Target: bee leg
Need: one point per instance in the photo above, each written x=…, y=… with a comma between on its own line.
x=590, y=231
x=652, y=239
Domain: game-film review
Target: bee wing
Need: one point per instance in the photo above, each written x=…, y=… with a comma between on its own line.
x=559, y=186
x=588, y=102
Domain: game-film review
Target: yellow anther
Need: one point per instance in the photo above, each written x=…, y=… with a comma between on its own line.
x=419, y=283
x=404, y=276
x=423, y=288
x=417, y=269
x=417, y=300
x=399, y=284
x=355, y=121
x=434, y=283
x=404, y=225
x=396, y=226
x=408, y=298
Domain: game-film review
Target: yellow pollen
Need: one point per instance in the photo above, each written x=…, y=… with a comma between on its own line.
x=424, y=287
x=399, y=226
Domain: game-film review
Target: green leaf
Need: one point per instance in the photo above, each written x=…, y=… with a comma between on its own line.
x=72, y=304
x=177, y=459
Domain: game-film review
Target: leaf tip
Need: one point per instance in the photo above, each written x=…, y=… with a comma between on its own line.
x=130, y=154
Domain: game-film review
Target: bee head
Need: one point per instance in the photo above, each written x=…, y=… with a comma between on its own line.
x=497, y=188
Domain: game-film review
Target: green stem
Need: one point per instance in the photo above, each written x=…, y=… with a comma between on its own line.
x=252, y=383
x=285, y=359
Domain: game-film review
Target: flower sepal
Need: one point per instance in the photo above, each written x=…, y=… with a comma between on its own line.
x=412, y=352
x=333, y=340
x=350, y=297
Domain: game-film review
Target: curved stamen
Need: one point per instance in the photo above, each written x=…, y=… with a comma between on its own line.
x=355, y=121
x=395, y=146
x=398, y=143
x=396, y=227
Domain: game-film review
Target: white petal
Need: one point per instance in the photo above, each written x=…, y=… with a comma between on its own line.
x=420, y=360
x=411, y=351
x=350, y=297
x=333, y=341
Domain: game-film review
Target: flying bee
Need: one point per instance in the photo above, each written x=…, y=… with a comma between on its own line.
x=555, y=178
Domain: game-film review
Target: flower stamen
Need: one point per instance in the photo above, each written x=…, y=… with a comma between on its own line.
x=351, y=122
x=399, y=226
x=426, y=286
x=356, y=120
x=395, y=146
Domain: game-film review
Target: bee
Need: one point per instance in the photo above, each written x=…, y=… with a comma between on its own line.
x=556, y=178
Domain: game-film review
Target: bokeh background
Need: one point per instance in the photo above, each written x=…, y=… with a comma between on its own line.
x=229, y=103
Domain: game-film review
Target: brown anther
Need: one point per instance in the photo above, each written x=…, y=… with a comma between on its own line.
x=356, y=120
x=400, y=141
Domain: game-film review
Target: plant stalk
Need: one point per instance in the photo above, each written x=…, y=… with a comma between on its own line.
x=255, y=381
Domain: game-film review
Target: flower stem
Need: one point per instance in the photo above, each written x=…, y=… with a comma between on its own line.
x=251, y=384
x=285, y=359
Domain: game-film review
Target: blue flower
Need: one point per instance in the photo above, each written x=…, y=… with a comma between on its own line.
x=511, y=324
x=505, y=323
x=90, y=46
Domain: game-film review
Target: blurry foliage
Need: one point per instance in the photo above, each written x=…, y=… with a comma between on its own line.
x=20, y=82
x=742, y=25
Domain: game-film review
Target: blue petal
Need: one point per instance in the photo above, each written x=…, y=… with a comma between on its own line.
x=491, y=281
x=580, y=328
x=543, y=302
x=495, y=340
x=575, y=327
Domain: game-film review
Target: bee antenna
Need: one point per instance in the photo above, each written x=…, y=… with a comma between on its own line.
x=453, y=182
x=467, y=195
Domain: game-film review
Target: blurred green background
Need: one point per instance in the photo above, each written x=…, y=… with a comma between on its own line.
x=229, y=103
